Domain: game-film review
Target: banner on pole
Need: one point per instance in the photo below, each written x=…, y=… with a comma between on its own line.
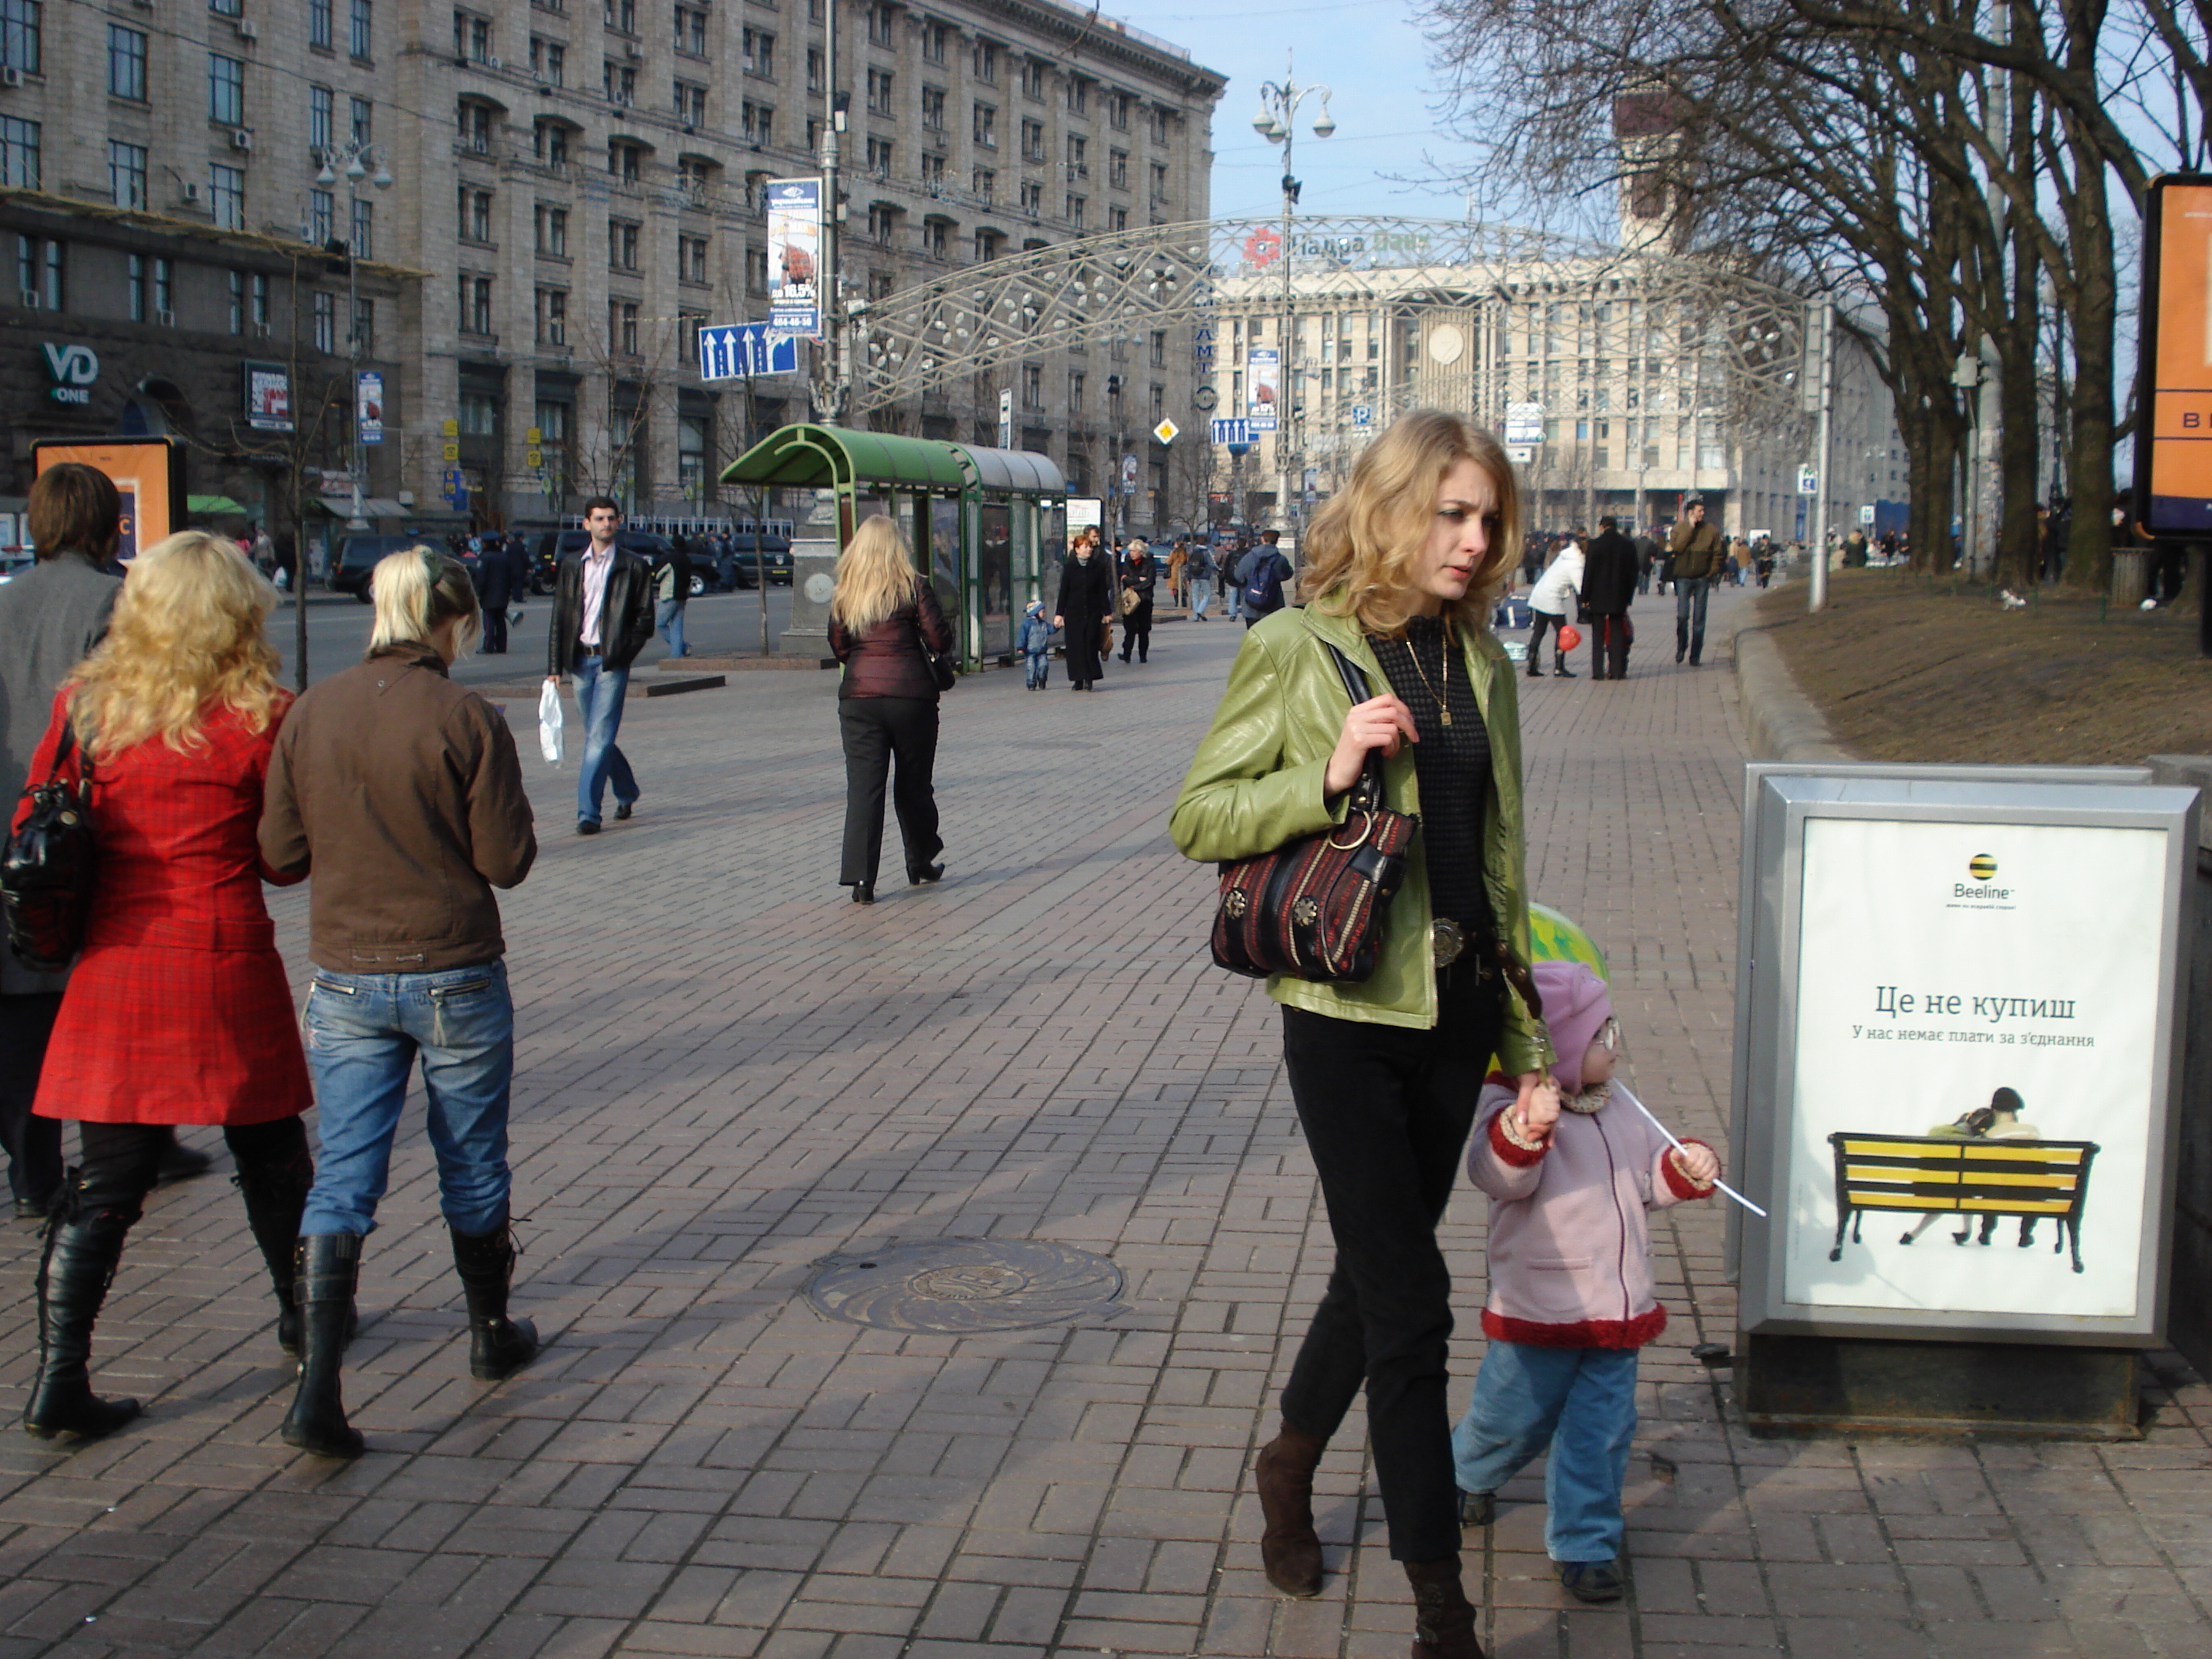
x=794, y=257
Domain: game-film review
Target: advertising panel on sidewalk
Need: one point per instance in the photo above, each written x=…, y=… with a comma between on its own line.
x=149, y=473
x=1961, y=1054
x=794, y=257
x=1085, y=513
x=2173, y=444
x=1263, y=382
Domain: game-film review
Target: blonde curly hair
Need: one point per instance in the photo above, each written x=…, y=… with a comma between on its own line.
x=186, y=641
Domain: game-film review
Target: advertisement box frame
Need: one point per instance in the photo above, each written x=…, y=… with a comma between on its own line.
x=1777, y=1022
x=148, y=471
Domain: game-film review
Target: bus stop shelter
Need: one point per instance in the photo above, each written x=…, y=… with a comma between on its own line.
x=984, y=522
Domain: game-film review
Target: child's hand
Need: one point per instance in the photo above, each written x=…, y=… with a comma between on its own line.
x=1538, y=1104
x=1699, y=1162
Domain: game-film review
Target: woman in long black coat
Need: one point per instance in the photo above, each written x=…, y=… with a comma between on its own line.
x=1086, y=605
x=1140, y=576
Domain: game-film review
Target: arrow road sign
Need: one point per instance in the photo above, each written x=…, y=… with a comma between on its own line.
x=1232, y=430
x=744, y=349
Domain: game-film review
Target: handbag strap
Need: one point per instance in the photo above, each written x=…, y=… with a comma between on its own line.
x=1367, y=794
x=63, y=750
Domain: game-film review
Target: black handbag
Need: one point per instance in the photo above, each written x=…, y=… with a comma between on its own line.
x=46, y=873
x=1315, y=908
x=941, y=668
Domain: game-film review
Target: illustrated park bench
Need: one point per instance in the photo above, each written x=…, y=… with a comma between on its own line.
x=1933, y=1175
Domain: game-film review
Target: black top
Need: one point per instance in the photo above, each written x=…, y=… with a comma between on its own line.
x=1452, y=763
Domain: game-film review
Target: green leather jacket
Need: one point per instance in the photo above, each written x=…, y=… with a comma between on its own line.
x=1257, y=782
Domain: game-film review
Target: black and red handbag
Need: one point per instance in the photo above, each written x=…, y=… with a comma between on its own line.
x=1315, y=908
x=47, y=872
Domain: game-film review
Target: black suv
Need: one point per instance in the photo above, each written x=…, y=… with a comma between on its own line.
x=357, y=557
x=750, y=549
x=555, y=545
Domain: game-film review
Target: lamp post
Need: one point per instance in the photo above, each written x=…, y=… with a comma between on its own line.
x=356, y=157
x=1276, y=122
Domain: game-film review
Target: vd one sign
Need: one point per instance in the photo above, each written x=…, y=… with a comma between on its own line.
x=73, y=368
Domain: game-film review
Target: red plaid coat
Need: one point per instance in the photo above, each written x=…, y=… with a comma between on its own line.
x=179, y=1010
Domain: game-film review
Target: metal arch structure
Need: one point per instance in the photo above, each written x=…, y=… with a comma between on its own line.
x=1740, y=338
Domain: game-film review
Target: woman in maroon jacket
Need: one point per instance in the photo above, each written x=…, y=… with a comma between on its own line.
x=882, y=615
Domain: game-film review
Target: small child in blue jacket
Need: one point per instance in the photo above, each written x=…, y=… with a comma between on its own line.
x=1035, y=641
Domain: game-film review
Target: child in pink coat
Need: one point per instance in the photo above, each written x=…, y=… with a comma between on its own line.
x=1570, y=1296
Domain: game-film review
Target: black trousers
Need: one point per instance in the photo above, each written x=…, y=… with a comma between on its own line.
x=495, y=628
x=1386, y=1111
x=122, y=1160
x=1138, y=637
x=33, y=1145
x=1609, y=636
x=1538, y=622
x=876, y=730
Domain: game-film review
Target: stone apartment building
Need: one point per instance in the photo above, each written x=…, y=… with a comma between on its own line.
x=549, y=197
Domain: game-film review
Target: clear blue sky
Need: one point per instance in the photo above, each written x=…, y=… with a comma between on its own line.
x=1371, y=57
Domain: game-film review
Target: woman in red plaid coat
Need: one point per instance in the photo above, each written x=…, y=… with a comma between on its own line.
x=179, y=1010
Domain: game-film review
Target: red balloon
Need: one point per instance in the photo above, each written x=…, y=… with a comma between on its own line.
x=1569, y=636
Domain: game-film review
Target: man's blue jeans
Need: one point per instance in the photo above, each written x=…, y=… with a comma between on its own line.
x=1690, y=601
x=599, y=694
x=1202, y=595
x=364, y=1031
x=1578, y=1402
x=670, y=621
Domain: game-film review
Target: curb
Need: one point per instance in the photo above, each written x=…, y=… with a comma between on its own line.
x=1780, y=722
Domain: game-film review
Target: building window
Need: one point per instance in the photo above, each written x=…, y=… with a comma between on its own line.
x=475, y=127
x=237, y=312
x=322, y=217
x=935, y=36
x=757, y=269
x=984, y=183
x=986, y=62
x=1077, y=166
x=882, y=220
x=985, y=126
x=1117, y=169
x=933, y=171
x=1077, y=207
x=19, y=152
x=758, y=122
x=134, y=282
x=548, y=142
x=1032, y=197
x=932, y=108
x=690, y=104
x=986, y=246
x=226, y=196
x=358, y=33
x=937, y=238
x=1159, y=404
x=1117, y=111
x=691, y=260
x=1161, y=119
x=553, y=445
x=322, y=106
x=39, y=272
x=691, y=31
x=258, y=302
x=226, y=89
x=1117, y=218
x=1159, y=184
x=548, y=61
x=814, y=68
x=126, y=63
x=552, y=230
x=1033, y=77
x=476, y=305
x=622, y=244
x=362, y=119
x=621, y=326
x=19, y=34
x=620, y=14
x=1078, y=95
x=625, y=161
x=552, y=323
x=319, y=23
x=1033, y=141
x=696, y=174
x=881, y=22
x=691, y=455
x=759, y=54
x=227, y=8
x=474, y=215
x=880, y=157
x=1032, y=387
x=880, y=92
x=322, y=311
x=126, y=174
x=619, y=83
x=472, y=38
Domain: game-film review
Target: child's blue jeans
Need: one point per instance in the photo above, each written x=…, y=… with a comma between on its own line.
x=1040, y=667
x=1578, y=1402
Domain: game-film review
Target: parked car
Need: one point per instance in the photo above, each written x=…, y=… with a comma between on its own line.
x=555, y=545
x=751, y=549
x=357, y=557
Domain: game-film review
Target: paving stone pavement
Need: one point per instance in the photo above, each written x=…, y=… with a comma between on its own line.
x=728, y=1073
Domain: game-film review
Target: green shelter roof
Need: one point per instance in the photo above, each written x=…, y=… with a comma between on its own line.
x=836, y=457
x=1014, y=469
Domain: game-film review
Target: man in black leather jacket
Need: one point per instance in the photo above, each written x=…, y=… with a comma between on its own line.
x=602, y=619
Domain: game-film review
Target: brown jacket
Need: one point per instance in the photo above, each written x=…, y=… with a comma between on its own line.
x=886, y=661
x=401, y=793
x=1696, y=551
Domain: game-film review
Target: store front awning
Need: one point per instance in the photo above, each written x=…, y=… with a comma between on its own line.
x=838, y=457
x=215, y=506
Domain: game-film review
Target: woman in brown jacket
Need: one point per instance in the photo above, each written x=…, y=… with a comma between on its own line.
x=882, y=616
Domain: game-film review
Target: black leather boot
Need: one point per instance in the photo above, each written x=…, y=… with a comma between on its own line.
x=498, y=1346
x=276, y=1197
x=82, y=1247
x=327, y=1269
x=1444, y=1619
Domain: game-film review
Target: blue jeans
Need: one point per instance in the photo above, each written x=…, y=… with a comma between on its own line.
x=1578, y=1402
x=599, y=694
x=1202, y=595
x=1690, y=596
x=670, y=621
x=1040, y=664
x=364, y=1031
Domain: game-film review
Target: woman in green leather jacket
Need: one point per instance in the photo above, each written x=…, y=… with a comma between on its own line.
x=1404, y=565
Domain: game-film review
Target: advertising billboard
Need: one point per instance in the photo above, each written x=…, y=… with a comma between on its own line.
x=149, y=472
x=369, y=405
x=1263, y=384
x=268, y=396
x=1524, y=424
x=2173, y=446
x=794, y=257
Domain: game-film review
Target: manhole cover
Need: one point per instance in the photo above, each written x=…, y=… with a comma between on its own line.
x=958, y=1285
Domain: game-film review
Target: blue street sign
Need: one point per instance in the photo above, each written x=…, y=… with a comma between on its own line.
x=1232, y=430
x=1362, y=415
x=744, y=349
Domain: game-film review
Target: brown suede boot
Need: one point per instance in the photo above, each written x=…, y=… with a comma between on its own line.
x=1283, y=1476
x=1444, y=1619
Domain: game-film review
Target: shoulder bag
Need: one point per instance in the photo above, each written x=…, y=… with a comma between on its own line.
x=941, y=669
x=1315, y=908
x=47, y=872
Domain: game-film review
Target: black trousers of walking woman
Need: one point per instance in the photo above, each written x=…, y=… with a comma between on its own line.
x=877, y=731
x=1386, y=1111
x=122, y=1161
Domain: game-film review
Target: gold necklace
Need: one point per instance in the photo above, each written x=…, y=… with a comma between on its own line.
x=1414, y=651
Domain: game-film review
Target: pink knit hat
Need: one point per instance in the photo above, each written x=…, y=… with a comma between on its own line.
x=1577, y=1006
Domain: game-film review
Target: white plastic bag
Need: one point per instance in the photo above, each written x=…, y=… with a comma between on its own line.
x=550, y=724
